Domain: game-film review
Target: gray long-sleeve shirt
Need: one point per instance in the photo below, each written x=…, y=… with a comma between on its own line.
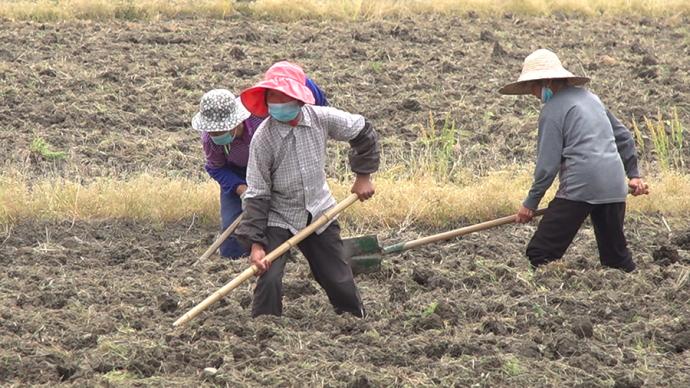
x=590, y=150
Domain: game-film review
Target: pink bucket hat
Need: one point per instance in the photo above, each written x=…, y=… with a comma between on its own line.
x=284, y=77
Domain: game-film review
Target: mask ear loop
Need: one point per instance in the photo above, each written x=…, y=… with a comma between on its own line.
x=226, y=149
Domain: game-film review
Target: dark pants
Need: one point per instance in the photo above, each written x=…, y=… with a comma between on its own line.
x=325, y=255
x=230, y=209
x=563, y=219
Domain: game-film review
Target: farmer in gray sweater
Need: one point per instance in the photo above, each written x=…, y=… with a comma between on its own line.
x=592, y=153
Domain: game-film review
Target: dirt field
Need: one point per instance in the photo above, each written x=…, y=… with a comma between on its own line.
x=91, y=303
x=119, y=96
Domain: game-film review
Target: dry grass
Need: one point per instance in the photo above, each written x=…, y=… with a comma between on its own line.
x=325, y=9
x=51, y=10
x=355, y=9
x=142, y=198
x=398, y=203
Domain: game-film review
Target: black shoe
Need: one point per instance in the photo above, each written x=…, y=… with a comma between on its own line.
x=626, y=266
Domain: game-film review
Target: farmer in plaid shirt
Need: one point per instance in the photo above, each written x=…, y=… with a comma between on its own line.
x=287, y=186
x=226, y=129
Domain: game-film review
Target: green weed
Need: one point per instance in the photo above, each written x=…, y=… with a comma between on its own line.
x=41, y=148
x=512, y=367
x=538, y=311
x=667, y=139
x=430, y=309
x=376, y=67
x=438, y=149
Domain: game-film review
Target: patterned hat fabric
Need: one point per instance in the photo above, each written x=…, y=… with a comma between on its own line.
x=219, y=110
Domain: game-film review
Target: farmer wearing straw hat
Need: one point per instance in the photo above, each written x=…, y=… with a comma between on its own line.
x=287, y=186
x=592, y=153
x=226, y=131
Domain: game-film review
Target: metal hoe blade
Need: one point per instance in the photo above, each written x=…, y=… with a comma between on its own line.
x=364, y=254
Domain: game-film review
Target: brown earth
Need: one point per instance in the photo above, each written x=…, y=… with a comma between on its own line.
x=119, y=96
x=93, y=303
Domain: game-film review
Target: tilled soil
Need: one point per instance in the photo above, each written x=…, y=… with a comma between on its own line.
x=119, y=96
x=91, y=303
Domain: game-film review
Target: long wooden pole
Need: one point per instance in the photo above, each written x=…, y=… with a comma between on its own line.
x=221, y=239
x=403, y=246
x=251, y=271
x=455, y=233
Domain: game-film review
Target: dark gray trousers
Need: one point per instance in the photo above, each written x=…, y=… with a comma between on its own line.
x=563, y=219
x=325, y=255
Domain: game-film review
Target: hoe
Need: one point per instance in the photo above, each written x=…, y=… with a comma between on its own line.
x=365, y=254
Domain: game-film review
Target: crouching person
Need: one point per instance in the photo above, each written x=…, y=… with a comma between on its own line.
x=594, y=156
x=287, y=186
x=227, y=129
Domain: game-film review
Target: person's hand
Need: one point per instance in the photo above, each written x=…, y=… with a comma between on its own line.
x=638, y=187
x=241, y=189
x=524, y=215
x=256, y=258
x=363, y=187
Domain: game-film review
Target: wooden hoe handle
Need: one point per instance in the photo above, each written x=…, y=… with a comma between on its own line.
x=456, y=233
x=249, y=272
x=221, y=239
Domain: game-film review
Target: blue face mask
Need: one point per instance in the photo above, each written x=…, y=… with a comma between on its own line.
x=546, y=94
x=224, y=139
x=284, y=112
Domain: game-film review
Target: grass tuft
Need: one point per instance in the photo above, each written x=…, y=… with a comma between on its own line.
x=41, y=148
x=512, y=367
x=666, y=137
x=438, y=149
x=430, y=309
x=119, y=377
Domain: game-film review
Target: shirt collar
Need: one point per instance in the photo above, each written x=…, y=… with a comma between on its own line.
x=283, y=129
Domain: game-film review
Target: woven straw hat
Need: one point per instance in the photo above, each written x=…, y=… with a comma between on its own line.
x=219, y=110
x=541, y=64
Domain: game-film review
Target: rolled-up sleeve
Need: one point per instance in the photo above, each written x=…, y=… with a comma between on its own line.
x=626, y=146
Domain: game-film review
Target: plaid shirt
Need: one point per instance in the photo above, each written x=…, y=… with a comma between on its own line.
x=287, y=164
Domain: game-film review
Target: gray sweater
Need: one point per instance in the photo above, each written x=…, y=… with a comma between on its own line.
x=590, y=150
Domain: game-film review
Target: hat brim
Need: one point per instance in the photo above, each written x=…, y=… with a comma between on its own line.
x=202, y=124
x=524, y=87
x=254, y=98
